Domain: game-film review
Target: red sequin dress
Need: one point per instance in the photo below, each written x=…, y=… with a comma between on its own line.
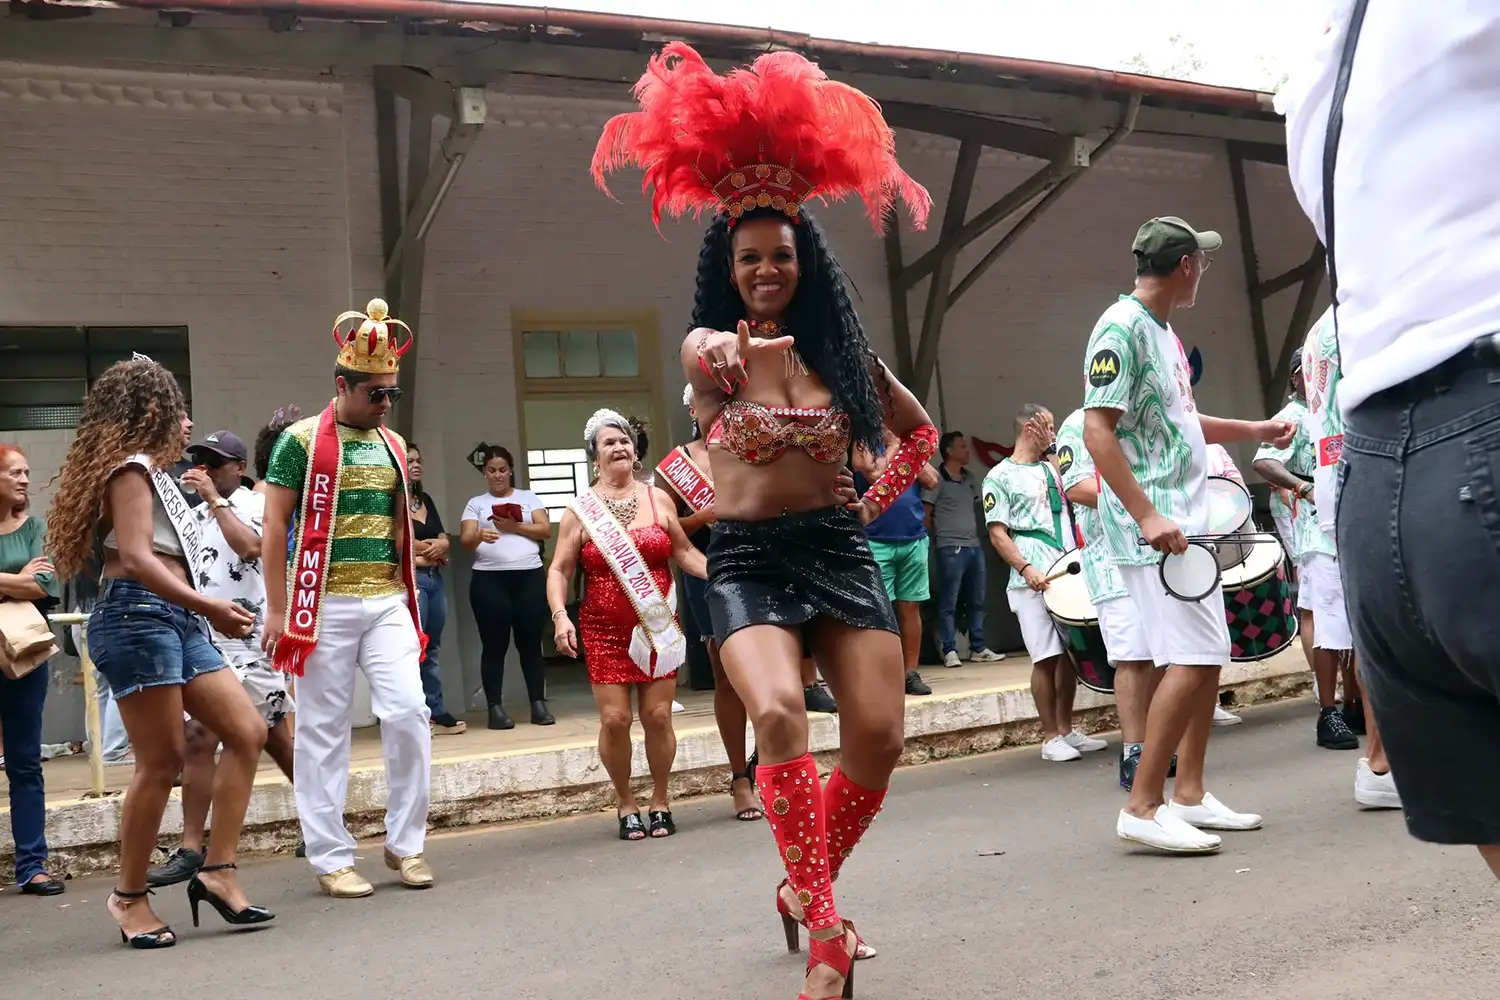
x=606, y=617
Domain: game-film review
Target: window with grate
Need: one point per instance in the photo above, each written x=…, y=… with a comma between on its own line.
x=559, y=354
x=45, y=370
x=556, y=476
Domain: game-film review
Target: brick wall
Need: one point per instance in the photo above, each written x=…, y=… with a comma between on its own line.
x=248, y=211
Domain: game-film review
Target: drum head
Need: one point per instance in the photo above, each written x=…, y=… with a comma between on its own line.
x=1067, y=597
x=1191, y=576
x=1260, y=562
x=1229, y=506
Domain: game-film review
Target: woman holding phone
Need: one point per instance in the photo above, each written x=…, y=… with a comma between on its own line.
x=504, y=528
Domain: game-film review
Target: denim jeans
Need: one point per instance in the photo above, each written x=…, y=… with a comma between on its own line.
x=1419, y=547
x=21, y=704
x=432, y=605
x=960, y=572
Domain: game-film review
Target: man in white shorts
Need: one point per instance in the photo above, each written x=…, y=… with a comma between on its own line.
x=1320, y=594
x=1030, y=526
x=1120, y=624
x=1149, y=443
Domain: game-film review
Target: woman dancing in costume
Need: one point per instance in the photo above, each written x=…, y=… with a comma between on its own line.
x=784, y=379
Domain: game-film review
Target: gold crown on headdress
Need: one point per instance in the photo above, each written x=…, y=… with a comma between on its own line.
x=371, y=345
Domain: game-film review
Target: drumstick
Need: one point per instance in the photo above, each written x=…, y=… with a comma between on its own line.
x=1068, y=570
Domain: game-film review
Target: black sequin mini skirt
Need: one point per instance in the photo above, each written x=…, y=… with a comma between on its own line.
x=793, y=569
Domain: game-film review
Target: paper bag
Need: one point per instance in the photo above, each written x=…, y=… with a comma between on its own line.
x=26, y=640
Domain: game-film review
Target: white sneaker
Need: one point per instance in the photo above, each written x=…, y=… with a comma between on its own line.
x=1166, y=832
x=1084, y=743
x=677, y=707
x=1059, y=749
x=1375, y=791
x=1214, y=815
x=950, y=659
x=986, y=656
x=1223, y=718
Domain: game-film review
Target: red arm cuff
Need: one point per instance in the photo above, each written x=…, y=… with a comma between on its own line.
x=917, y=449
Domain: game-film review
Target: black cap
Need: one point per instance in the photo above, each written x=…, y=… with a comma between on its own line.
x=225, y=444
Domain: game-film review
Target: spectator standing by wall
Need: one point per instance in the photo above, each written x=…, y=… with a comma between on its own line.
x=953, y=525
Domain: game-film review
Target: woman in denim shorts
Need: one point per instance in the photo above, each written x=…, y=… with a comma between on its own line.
x=147, y=633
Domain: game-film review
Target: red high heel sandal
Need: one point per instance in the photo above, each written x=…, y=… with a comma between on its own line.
x=831, y=953
x=790, y=923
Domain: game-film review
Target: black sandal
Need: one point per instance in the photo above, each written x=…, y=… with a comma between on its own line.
x=162, y=937
x=661, y=823
x=749, y=814
x=631, y=827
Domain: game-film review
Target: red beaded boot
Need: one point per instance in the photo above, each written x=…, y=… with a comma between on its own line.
x=793, y=797
x=850, y=810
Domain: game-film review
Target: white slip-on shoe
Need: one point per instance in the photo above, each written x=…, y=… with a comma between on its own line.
x=1165, y=832
x=1375, y=791
x=1225, y=718
x=1214, y=815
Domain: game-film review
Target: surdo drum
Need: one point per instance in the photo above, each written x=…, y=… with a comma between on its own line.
x=1067, y=600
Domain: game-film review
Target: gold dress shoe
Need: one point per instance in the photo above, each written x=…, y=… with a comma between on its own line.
x=346, y=883
x=416, y=873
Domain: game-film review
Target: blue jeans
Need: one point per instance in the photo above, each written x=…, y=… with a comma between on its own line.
x=960, y=571
x=21, y=704
x=432, y=606
x=138, y=640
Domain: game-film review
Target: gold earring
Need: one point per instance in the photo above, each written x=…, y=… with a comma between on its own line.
x=636, y=465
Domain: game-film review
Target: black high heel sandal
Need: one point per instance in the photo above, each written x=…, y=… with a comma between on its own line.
x=631, y=827
x=662, y=825
x=197, y=893
x=749, y=814
x=162, y=937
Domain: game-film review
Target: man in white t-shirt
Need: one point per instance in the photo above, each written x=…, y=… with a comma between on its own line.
x=1150, y=446
x=1409, y=214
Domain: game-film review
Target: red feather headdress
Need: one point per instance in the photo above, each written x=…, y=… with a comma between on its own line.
x=770, y=135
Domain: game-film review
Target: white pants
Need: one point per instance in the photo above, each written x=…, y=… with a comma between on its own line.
x=1325, y=589
x=377, y=637
x=1181, y=633
x=1038, y=631
x=1124, y=634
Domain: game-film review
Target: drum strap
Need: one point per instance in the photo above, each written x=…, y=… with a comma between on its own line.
x=1331, y=138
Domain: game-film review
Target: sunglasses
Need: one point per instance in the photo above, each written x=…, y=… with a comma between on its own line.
x=392, y=393
x=209, y=460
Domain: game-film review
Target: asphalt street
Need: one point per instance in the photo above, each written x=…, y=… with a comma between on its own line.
x=993, y=876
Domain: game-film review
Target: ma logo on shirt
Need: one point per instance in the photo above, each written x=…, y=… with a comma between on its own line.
x=989, y=501
x=1065, y=458
x=1104, y=368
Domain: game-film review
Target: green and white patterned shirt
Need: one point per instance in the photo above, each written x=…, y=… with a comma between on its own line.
x=1298, y=458
x=1136, y=364
x=1321, y=374
x=1028, y=500
x=1076, y=465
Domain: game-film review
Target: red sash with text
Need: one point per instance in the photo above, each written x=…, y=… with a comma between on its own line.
x=687, y=480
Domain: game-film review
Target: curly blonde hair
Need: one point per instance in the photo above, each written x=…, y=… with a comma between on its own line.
x=135, y=407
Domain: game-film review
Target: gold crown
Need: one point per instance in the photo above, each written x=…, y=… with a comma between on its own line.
x=370, y=345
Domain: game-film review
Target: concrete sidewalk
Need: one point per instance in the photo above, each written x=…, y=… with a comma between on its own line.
x=536, y=772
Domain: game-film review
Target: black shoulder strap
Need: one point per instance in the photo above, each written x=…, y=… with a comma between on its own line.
x=1331, y=144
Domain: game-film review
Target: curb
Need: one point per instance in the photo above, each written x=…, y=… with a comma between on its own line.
x=504, y=787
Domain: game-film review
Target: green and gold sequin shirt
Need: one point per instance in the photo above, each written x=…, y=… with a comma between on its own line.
x=362, y=558
x=1075, y=464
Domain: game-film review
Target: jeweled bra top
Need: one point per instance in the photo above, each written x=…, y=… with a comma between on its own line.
x=760, y=434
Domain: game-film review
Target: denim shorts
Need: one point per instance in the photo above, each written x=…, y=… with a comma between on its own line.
x=138, y=640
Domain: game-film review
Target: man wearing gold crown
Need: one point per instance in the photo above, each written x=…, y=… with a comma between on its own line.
x=350, y=603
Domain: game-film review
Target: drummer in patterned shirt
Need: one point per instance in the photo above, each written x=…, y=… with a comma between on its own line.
x=1324, y=623
x=1149, y=442
x=1031, y=527
x=1120, y=623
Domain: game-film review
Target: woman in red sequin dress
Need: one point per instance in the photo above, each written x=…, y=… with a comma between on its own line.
x=626, y=535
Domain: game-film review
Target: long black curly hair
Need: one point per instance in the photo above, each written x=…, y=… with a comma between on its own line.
x=821, y=316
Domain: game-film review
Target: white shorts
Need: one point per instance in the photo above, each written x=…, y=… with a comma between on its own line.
x=1325, y=590
x=1037, y=628
x=1284, y=529
x=1124, y=639
x=1304, y=587
x=1180, y=633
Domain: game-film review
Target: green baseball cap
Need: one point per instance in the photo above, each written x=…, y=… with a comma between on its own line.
x=1169, y=238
